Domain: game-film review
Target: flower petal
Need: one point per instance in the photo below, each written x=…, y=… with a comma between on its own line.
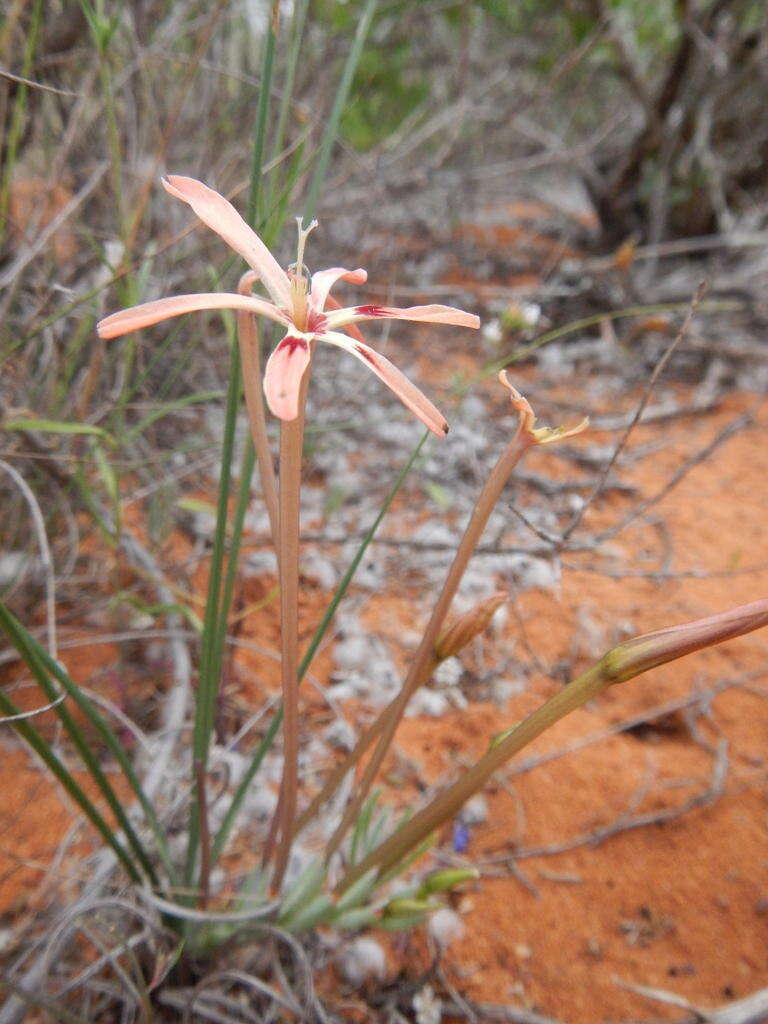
x=433, y=314
x=324, y=280
x=407, y=392
x=351, y=329
x=221, y=216
x=148, y=313
x=283, y=373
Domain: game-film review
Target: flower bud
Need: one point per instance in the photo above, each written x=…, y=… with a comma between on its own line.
x=400, y=906
x=468, y=626
x=646, y=652
x=449, y=878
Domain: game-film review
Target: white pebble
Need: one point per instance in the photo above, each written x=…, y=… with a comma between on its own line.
x=362, y=959
x=475, y=810
x=428, y=702
x=427, y=1006
x=445, y=926
x=449, y=672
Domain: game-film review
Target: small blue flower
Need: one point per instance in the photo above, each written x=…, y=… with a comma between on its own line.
x=461, y=836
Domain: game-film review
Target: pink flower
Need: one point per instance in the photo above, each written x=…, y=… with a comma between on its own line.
x=304, y=307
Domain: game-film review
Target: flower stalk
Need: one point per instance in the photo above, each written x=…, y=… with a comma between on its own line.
x=428, y=655
x=620, y=664
x=291, y=445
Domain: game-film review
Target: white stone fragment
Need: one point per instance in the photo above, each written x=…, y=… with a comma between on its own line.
x=530, y=313
x=340, y=734
x=491, y=331
x=428, y=702
x=353, y=652
x=361, y=960
x=445, y=926
x=448, y=672
x=475, y=810
x=427, y=1006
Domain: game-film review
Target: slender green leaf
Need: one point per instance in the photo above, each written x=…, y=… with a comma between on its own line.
x=57, y=768
x=332, y=127
x=238, y=796
x=260, y=133
x=309, y=915
x=40, y=664
x=208, y=686
x=197, y=398
x=58, y=427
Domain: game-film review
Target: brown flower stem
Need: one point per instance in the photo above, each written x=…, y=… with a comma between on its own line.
x=274, y=830
x=291, y=441
x=620, y=664
x=424, y=661
x=250, y=356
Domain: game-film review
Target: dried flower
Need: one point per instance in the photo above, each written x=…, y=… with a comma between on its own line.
x=299, y=303
x=537, y=435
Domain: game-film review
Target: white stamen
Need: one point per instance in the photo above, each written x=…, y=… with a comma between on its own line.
x=303, y=235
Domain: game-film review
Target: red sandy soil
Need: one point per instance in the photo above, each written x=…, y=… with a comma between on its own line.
x=680, y=905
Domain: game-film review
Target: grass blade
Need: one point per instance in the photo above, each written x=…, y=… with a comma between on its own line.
x=23, y=641
x=29, y=653
x=339, y=102
x=260, y=134
x=58, y=427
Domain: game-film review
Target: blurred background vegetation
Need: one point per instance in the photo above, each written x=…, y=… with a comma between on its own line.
x=651, y=113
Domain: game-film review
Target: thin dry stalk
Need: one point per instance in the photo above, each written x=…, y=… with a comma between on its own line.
x=425, y=659
x=291, y=444
x=657, y=372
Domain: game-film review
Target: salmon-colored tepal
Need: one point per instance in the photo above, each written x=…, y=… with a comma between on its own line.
x=645, y=652
x=300, y=303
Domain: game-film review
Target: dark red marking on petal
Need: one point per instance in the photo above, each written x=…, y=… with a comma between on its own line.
x=292, y=344
x=316, y=323
x=367, y=355
x=372, y=311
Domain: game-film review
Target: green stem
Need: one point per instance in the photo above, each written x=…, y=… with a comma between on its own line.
x=115, y=149
x=339, y=102
x=297, y=30
x=447, y=803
